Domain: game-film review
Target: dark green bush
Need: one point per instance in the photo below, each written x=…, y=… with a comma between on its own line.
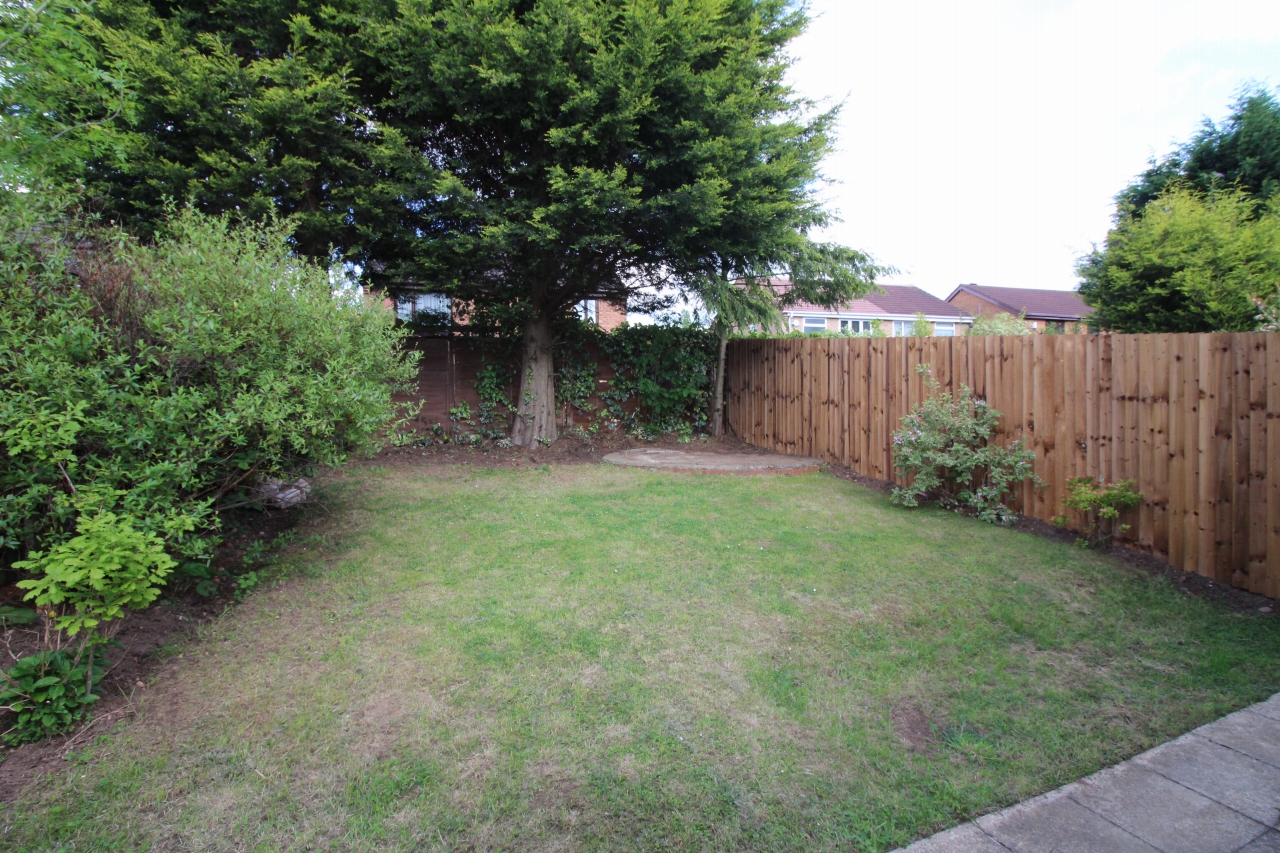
x=162, y=383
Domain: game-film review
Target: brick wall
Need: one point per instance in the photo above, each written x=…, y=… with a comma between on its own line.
x=610, y=316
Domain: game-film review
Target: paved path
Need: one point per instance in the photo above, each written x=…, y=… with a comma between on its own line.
x=1215, y=790
x=721, y=463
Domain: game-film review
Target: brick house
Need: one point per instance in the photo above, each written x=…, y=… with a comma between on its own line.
x=1057, y=310
x=895, y=309
x=421, y=305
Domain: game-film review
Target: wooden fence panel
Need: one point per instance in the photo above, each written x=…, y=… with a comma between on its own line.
x=1192, y=419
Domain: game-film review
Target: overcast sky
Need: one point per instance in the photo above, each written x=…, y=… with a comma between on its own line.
x=984, y=141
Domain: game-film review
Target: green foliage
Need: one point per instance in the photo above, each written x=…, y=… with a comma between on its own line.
x=1243, y=154
x=492, y=381
x=945, y=447
x=1000, y=324
x=663, y=375
x=1196, y=239
x=47, y=693
x=64, y=102
x=94, y=576
x=575, y=383
x=1100, y=506
x=160, y=383
x=256, y=108
x=921, y=328
x=1191, y=263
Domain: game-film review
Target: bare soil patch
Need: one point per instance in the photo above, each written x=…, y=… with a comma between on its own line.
x=136, y=656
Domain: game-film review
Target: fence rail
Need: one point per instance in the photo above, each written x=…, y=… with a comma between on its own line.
x=1192, y=419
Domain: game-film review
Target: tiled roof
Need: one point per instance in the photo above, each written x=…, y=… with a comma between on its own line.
x=1038, y=304
x=896, y=300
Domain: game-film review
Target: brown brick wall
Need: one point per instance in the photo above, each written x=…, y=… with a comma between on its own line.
x=610, y=316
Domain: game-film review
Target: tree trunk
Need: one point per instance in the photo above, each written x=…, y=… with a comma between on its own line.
x=536, y=412
x=717, y=402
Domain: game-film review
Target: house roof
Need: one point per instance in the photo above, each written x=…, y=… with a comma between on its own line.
x=1038, y=304
x=895, y=300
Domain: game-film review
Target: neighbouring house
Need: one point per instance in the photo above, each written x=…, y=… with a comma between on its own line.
x=604, y=314
x=894, y=309
x=1052, y=310
x=435, y=311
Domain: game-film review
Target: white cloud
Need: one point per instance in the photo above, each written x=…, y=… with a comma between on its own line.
x=984, y=141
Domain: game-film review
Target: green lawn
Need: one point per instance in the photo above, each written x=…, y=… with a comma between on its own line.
x=588, y=658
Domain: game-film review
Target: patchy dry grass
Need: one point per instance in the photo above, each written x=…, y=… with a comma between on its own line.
x=597, y=659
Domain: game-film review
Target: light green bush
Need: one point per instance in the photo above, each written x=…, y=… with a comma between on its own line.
x=1000, y=324
x=159, y=384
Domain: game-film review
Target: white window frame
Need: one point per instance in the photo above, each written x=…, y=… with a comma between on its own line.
x=809, y=326
x=589, y=310
x=409, y=306
x=950, y=330
x=902, y=328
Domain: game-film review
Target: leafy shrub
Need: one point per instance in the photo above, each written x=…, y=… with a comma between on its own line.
x=93, y=577
x=159, y=384
x=48, y=692
x=1100, y=505
x=1000, y=324
x=944, y=446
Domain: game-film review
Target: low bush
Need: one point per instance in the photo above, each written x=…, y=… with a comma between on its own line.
x=945, y=448
x=48, y=692
x=1100, y=506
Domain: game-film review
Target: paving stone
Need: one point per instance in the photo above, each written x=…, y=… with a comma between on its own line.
x=1269, y=843
x=1247, y=732
x=966, y=838
x=1163, y=813
x=708, y=461
x=1246, y=784
x=1059, y=825
x=1269, y=708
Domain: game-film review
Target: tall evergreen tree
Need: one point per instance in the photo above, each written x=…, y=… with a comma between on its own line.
x=603, y=148
x=1243, y=152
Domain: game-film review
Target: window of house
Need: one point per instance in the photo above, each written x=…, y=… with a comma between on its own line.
x=902, y=328
x=415, y=306
x=589, y=310
x=815, y=324
x=857, y=327
x=944, y=330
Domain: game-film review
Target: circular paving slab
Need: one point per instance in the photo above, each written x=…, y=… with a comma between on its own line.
x=717, y=463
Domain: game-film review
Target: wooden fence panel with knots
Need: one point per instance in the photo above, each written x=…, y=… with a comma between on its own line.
x=1194, y=420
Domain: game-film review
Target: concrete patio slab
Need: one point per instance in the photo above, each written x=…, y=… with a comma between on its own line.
x=966, y=838
x=713, y=463
x=1244, y=731
x=1214, y=790
x=1163, y=813
x=1269, y=843
x=1060, y=825
x=1269, y=708
x=1249, y=786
